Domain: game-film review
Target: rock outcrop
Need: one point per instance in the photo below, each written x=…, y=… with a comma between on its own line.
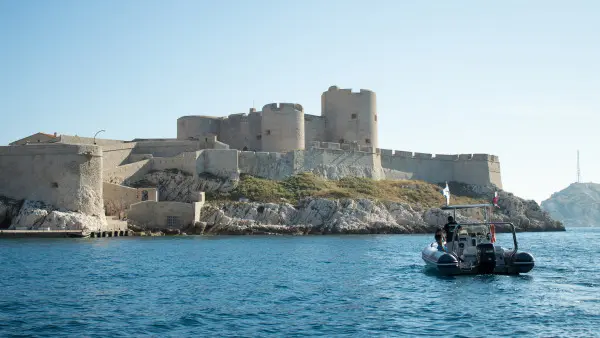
x=35, y=215
x=334, y=216
x=576, y=206
x=349, y=216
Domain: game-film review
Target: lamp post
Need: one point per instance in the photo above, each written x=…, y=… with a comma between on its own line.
x=98, y=132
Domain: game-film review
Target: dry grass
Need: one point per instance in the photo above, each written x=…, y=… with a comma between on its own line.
x=308, y=185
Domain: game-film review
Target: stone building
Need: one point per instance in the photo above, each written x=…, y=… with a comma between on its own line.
x=346, y=117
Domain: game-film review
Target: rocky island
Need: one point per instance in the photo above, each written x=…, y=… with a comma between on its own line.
x=578, y=205
x=274, y=171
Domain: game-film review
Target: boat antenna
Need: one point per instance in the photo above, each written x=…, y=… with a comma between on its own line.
x=578, y=169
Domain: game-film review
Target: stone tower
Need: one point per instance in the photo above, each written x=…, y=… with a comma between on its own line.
x=350, y=117
x=282, y=127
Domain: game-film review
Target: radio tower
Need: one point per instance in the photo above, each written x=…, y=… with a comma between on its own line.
x=578, y=169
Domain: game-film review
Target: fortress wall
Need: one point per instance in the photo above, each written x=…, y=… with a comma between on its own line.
x=272, y=165
x=478, y=169
x=331, y=162
x=197, y=127
x=68, y=139
x=170, y=148
x=65, y=176
x=235, y=131
x=127, y=172
x=218, y=162
x=139, y=157
x=314, y=129
x=116, y=154
x=185, y=162
x=421, y=166
x=254, y=130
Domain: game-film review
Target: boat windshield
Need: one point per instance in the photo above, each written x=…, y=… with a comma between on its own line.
x=474, y=230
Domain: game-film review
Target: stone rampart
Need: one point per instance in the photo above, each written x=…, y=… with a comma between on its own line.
x=66, y=176
x=69, y=139
x=478, y=169
x=131, y=172
x=114, y=155
x=219, y=162
x=271, y=165
x=168, y=148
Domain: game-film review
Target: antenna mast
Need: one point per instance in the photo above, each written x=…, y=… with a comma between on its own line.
x=578, y=169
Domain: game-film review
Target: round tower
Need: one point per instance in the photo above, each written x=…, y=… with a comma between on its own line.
x=282, y=127
x=197, y=127
x=350, y=117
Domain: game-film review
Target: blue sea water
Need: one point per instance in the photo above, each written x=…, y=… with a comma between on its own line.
x=334, y=286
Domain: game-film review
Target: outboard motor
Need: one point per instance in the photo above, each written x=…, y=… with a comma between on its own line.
x=486, y=258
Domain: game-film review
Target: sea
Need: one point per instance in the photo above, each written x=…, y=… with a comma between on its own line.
x=291, y=286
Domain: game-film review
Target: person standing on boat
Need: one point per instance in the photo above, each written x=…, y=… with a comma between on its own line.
x=449, y=228
x=439, y=238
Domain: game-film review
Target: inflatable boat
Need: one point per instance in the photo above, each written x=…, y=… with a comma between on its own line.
x=472, y=249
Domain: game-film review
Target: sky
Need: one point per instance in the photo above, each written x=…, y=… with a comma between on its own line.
x=517, y=79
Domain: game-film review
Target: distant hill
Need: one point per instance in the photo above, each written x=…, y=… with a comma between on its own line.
x=578, y=205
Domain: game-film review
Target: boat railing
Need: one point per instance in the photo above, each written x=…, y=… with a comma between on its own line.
x=512, y=226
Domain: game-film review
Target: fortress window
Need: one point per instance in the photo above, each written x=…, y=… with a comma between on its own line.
x=172, y=221
x=258, y=137
x=368, y=141
x=354, y=116
x=375, y=118
x=341, y=140
x=245, y=148
x=268, y=131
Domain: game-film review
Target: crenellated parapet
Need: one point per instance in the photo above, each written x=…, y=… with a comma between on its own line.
x=441, y=157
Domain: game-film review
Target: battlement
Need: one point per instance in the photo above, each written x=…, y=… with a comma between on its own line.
x=349, y=90
x=341, y=146
x=280, y=106
x=442, y=157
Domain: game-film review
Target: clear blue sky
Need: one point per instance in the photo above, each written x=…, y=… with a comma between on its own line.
x=518, y=79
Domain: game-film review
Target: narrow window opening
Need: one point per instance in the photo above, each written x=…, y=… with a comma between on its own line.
x=368, y=141
x=354, y=116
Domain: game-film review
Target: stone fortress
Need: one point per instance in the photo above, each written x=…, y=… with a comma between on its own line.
x=87, y=174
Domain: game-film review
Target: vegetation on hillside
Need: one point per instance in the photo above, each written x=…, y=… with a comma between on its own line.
x=304, y=185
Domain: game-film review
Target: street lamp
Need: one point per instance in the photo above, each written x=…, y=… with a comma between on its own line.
x=98, y=132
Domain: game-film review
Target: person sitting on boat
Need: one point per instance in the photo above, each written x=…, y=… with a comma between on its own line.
x=439, y=238
x=449, y=228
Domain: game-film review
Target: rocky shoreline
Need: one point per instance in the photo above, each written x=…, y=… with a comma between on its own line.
x=313, y=215
x=348, y=216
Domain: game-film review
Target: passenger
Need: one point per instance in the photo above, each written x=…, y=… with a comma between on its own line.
x=449, y=228
x=439, y=238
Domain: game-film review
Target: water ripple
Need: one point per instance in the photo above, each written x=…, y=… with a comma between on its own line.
x=355, y=286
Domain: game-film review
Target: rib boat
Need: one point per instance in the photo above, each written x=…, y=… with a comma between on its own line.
x=472, y=249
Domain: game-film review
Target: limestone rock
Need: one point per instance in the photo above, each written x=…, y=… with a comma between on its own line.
x=31, y=215
x=576, y=205
x=177, y=186
x=60, y=220
x=35, y=215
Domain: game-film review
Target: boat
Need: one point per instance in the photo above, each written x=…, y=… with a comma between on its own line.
x=473, y=249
